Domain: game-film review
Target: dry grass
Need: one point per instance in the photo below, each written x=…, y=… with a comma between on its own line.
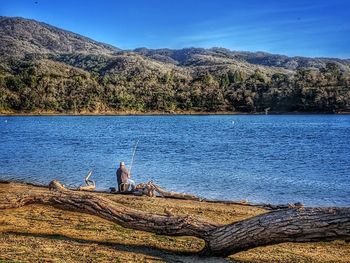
x=39, y=233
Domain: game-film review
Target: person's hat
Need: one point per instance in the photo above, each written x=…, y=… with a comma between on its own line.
x=122, y=163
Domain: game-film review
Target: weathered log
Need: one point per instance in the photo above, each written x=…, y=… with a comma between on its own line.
x=85, y=202
x=145, y=189
x=172, y=194
x=90, y=184
x=150, y=189
x=86, y=188
x=288, y=225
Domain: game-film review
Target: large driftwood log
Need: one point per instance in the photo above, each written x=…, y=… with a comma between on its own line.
x=150, y=189
x=90, y=184
x=288, y=225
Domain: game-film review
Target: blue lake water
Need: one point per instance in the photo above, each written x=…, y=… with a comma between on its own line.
x=272, y=159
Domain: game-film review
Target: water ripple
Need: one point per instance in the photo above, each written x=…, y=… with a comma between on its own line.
x=277, y=159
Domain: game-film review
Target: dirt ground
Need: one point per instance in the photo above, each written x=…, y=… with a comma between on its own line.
x=38, y=233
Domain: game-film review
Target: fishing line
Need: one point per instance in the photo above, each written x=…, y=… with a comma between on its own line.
x=133, y=156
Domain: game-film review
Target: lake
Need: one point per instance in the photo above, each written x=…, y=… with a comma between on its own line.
x=260, y=158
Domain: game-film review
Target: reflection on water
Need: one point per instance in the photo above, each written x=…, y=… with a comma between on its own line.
x=275, y=159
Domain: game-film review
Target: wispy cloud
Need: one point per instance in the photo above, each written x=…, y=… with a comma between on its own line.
x=261, y=32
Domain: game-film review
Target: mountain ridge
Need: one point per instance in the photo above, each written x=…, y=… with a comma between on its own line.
x=26, y=35
x=257, y=58
x=45, y=68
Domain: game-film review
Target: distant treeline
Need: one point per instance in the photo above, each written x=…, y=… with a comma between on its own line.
x=28, y=86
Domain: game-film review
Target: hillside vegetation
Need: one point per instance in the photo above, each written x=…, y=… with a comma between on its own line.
x=46, y=69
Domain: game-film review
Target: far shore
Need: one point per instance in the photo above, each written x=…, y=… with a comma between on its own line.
x=158, y=113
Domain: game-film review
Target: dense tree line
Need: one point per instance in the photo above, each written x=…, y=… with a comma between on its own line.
x=94, y=84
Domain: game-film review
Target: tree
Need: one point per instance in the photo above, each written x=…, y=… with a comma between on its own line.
x=224, y=81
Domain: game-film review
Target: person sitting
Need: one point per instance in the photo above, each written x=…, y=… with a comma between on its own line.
x=123, y=179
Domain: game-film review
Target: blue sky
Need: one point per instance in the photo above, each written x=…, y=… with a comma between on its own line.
x=306, y=28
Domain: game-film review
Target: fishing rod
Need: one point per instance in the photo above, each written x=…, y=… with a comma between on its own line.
x=133, y=156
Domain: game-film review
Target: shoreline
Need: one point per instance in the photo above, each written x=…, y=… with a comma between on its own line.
x=239, y=202
x=242, y=202
x=160, y=113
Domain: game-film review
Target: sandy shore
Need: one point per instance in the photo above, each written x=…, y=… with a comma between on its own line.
x=38, y=233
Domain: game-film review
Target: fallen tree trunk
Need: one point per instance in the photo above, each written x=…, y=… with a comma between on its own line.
x=288, y=225
x=150, y=189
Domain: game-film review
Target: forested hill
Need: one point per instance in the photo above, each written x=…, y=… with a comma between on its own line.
x=47, y=69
